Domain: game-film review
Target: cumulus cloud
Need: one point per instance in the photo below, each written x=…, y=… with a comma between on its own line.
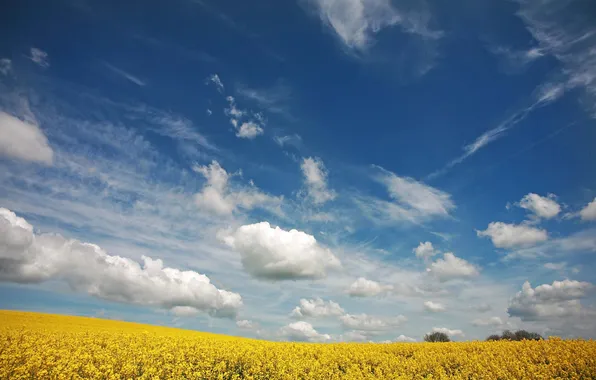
x=364, y=322
x=505, y=235
x=449, y=332
x=451, y=267
x=249, y=130
x=246, y=324
x=492, y=321
x=425, y=250
x=317, y=308
x=541, y=207
x=434, y=307
x=5, y=66
x=355, y=22
x=404, y=338
x=273, y=253
x=23, y=140
x=303, y=331
x=29, y=258
x=214, y=78
x=367, y=288
x=218, y=197
x=561, y=299
x=315, y=180
x=588, y=213
x=39, y=56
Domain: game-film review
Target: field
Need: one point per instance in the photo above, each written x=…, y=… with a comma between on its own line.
x=40, y=346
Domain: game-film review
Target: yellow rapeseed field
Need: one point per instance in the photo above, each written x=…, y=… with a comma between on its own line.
x=40, y=346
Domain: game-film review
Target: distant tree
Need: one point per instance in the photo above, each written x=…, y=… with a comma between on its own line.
x=518, y=335
x=437, y=337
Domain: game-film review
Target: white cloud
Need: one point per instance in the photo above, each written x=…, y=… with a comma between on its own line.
x=581, y=241
x=29, y=258
x=39, y=56
x=367, y=288
x=515, y=60
x=588, y=213
x=218, y=197
x=185, y=311
x=559, y=300
x=294, y=140
x=303, y=331
x=425, y=250
x=272, y=99
x=449, y=332
x=482, y=308
x=366, y=322
x=315, y=179
x=249, y=130
x=23, y=140
x=317, y=308
x=434, y=307
x=403, y=338
x=5, y=66
x=556, y=266
x=355, y=336
x=355, y=22
x=246, y=324
x=505, y=235
x=277, y=254
x=214, y=78
x=492, y=321
x=451, y=267
x=125, y=75
x=542, y=207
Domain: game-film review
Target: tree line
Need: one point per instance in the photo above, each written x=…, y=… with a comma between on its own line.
x=506, y=335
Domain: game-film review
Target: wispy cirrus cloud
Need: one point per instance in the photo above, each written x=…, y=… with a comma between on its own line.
x=126, y=75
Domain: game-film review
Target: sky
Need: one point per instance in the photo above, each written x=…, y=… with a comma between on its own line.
x=310, y=170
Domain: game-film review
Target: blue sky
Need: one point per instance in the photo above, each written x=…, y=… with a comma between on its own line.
x=319, y=170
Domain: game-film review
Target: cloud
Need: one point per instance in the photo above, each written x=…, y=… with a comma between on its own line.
x=125, y=74
x=434, y=307
x=588, y=213
x=559, y=300
x=412, y=201
x=249, y=130
x=317, y=308
x=582, y=241
x=492, y=321
x=5, y=66
x=356, y=22
x=516, y=60
x=556, y=266
x=218, y=197
x=449, y=332
x=425, y=250
x=505, y=235
x=542, y=207
x=24, y=140
x=39, y=56
x=272, y=99
x=246, y=324
x=482, y=308
x=214, y=78
x=315, y=180
x=367, y=288
x=276, y=254
x=303, y=331
x=26, y=257
x=403, y=338
x=294, y=140
x=451, y=267
x=364, y=322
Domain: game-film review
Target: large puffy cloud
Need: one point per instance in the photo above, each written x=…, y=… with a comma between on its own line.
x=303, y=331
x=273, y=253
x=317, y=308
x=505, y=235
x=367, y=288
x=448, y=332
x=561, y=299
x=23, y=140
x=365, y=322
x=451, y=267
x=29, y=258
x=434, y=307
x=542, y=207
x=315, y=179
x=218, y=197
x=249, y=130
x=425, y=250
x=588, y=213
x=355, y=22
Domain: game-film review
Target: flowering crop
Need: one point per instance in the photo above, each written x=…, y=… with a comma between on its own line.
x=40, y=346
